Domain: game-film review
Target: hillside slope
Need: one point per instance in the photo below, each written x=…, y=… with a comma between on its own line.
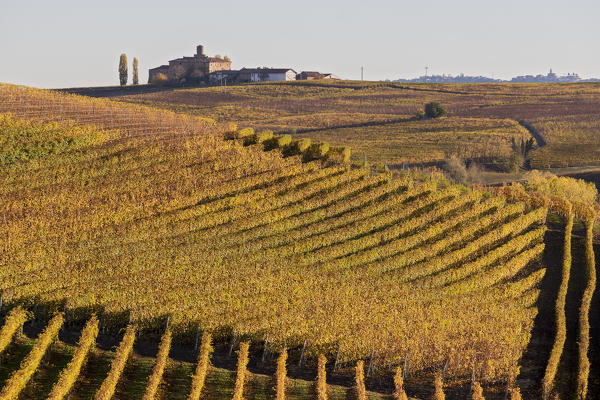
x=377, y=118
x=155, y=219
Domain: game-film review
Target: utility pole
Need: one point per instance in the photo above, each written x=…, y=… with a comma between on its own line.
x=362, y=73
x=426, y=68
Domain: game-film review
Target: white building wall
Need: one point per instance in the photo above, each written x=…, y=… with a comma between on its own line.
x=282, y=76
x=290, y=76
x=276, y=77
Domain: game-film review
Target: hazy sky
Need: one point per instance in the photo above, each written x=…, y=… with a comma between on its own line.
x=63, y=43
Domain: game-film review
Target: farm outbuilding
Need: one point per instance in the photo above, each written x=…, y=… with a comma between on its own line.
x=311, y=75
x=253, y=75
x=266, y=74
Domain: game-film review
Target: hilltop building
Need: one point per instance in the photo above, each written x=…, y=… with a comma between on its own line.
x=185, y=69
x=203, y=69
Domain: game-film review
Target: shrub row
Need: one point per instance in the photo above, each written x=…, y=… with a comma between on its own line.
x=438, y=383
x=18, y=380
x=304, y=146
x=561, y=329
x=13, y=322
x=159, y=367
x=202, y=367
x=238, y=392
x=477, y=392
x=399, y=393
x=584, y=312
x=280, y=375
x=321, y=378
x=359, y=380
x=69, y=375
x=107, y=389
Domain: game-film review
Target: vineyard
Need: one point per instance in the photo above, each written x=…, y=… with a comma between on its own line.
x=377, y=118
x=124, y=221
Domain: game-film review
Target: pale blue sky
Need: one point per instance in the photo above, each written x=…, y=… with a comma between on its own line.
x=77, y=43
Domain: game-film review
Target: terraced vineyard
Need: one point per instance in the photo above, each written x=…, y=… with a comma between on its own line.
x=161, y=221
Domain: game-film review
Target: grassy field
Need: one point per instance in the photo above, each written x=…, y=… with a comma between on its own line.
x=375, y=117
x=153, y=218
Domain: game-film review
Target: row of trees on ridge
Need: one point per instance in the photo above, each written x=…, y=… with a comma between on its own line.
x=123, y=73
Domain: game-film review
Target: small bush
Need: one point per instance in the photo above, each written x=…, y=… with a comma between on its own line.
x=420, y=114
x=457, y=169
x=434, y=110
x=302, y=145
x=264, y=136
x=245, y=133
x=323, y=149
x=159, y=80
x=317, y=151
x=284, y=140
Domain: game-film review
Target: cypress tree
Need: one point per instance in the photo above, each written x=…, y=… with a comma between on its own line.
x=123, y=69
x=135, y=71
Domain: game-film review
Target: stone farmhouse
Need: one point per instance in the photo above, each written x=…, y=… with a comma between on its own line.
x=190, y=69
x=201, y=69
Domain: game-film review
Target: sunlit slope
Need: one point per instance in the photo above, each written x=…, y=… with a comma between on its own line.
x=243, y=241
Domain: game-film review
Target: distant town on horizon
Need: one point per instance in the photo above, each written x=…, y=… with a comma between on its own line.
x=550, y=77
